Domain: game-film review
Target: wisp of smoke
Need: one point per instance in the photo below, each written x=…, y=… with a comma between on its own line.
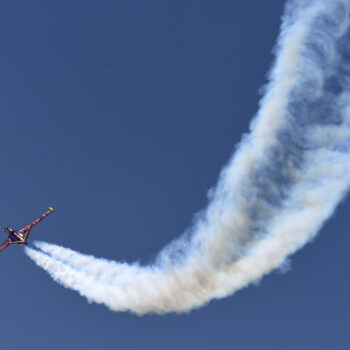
x=285, y=179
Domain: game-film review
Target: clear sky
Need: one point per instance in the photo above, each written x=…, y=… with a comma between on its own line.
x=120, y=114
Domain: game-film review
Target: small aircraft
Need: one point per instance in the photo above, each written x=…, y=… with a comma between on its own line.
x=21, y=236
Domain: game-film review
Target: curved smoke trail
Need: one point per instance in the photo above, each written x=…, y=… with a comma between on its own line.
x=284, y=181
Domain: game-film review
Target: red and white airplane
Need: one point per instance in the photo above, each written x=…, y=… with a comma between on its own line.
x=21, y=236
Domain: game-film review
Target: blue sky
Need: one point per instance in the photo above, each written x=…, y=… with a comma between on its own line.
x=120, y=114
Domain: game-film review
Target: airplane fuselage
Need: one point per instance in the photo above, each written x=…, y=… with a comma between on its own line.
x=15, y=237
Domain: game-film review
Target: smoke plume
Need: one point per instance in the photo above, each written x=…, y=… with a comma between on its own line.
x=284, y=180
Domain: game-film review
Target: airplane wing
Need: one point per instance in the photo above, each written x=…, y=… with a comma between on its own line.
x=26, y=228
x=5, y=244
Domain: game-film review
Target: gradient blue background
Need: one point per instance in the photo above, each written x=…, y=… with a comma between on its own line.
x=120, y=114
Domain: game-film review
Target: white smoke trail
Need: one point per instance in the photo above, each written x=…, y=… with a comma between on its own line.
x=284, y=181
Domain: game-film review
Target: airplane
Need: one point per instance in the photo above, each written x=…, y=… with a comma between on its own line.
x=21, y=236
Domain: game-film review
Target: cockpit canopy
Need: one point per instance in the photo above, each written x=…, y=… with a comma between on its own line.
x=9, y=230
